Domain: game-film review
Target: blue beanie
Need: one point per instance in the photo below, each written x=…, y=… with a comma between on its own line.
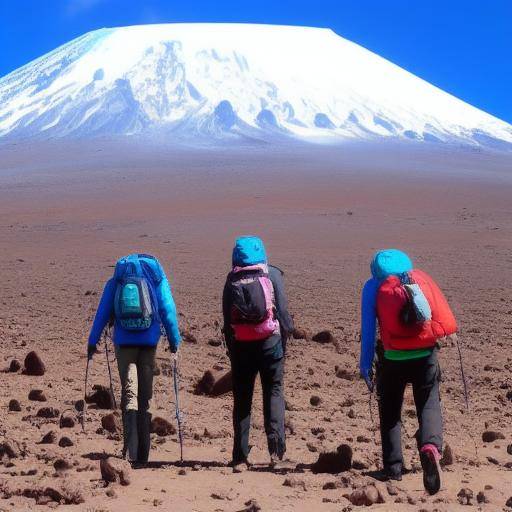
x=248, y=250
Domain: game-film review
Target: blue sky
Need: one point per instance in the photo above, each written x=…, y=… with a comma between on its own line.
x=463, y=47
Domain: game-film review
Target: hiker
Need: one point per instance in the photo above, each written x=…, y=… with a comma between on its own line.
x=256, y=327
x=412, y=315
x=138, y=300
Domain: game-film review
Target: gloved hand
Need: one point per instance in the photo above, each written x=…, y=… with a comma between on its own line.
x=174, y=353
x=367, y=375
x=91, y=350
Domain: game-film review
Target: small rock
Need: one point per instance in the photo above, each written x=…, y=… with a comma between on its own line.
x=48, y=412
x=34, y=364
x=392, y=490
x=447, y=458
x=324, y=337
x=101, y=397
x=214, y=383
x=111, y=493
x=14, y=366
x=490, y=436
x=465, y=496
x=162, y=427
x=67, y=420
x=315, y=400
x=295, y=482
x=213, y=342
x=300, y=334
x=365, y=496
x=65, y=442
x=251, y=506
x=509, y=502
x=112, y=423
x=342, y=373
x=37, y=395
x=62, y=465
x=115, y=470
x=334, y=462
x=14, y=405
x=49, y=438
x=482, y=498
x=9, y=449
x=509, y=449
x=188, y=337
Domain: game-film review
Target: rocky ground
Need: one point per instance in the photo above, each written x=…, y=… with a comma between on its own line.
x=67, y=213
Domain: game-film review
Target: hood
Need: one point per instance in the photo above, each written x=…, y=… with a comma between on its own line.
x=390, y=262
x=248, y=250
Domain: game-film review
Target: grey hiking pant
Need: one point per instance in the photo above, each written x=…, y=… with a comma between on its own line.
x=135, y=366
x=247, y=360
x=392, y=377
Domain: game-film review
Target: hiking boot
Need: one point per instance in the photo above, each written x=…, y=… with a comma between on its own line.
x=430, y=457
x=240, y=467
x=385, y=475
x=130, y=435
x=275, y=461
x=144, y=428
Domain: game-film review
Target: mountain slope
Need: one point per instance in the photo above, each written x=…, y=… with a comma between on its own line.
x=214, y=80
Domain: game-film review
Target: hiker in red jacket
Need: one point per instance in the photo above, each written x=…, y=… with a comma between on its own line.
x=412, y=315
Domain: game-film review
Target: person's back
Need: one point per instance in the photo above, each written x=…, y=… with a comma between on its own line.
x=256, y=327
x=412, y=315
x=138, y=300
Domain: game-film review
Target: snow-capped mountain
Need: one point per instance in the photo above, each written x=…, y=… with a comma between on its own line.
x=189, y=81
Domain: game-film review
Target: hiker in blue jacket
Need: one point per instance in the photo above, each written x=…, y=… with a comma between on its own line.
x=138, y=300
x=256, y=326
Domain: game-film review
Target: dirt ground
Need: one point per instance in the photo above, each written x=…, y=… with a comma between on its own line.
x=68, y=211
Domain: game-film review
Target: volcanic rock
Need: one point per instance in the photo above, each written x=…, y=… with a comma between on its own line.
x=115, y=470
x=342, y=373
x=65, y=442
x=188, y=337
x=67, y=420
x=214, y=383
x=14, y=405
x=61, y=465
x=112, y=422
x=366, y=496
x=49, y=438
x=9, y=449
x=482, y=498
x=34, y=364
x=447, y=458
x=251, y=506
x=315, y=400
x=48, y=412
x=334, y=462
x=295, y=483
x=300, y=334
x=490, y=436
x=37, y=395
x=14, y=366
x=509, y=449
x=324, y=337
x=101, y=397
x=162, y=427
x=465, y=496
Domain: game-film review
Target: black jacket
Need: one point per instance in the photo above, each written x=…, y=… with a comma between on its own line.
x=281, y=302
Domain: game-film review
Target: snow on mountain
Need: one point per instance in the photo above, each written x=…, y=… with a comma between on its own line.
x=189, y=81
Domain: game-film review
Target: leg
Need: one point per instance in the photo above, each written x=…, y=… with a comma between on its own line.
x=145, y=365
x=390, y=388
x=126, y=362
x=244, y=376
x=271, y=374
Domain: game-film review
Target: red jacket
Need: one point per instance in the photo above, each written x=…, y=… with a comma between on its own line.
x=395, y=335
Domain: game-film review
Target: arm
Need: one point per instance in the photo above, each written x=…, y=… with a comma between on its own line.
x=368, y=328
x=226, y=313
x=167, y=311
x=104, y=312
x=283, y=315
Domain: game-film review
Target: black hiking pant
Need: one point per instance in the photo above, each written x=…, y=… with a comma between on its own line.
x=247, y=360
x=392, y=377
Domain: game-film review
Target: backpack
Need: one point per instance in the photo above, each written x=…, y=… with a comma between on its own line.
x=135, y=299
x=251, y=295
x=413, y=312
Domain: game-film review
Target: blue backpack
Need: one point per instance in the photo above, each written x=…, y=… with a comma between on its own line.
x=135, y=303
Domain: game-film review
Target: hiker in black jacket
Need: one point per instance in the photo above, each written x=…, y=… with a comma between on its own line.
x=256, y=327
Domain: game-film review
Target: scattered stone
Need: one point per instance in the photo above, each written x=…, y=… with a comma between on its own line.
x=509, y=449
x=447, y=459
x=295, y=483
x=111, y=493
x=315, y=400
x=14, y=405
x=222, y=495
x=188, y=337
x=156, y=370
x=67, y=420
x=392, y=490
x=214, y=383
x=65, y=442
x=213, y=342
x=482, y=498
x=37, y=395
x=351, y=414
x=101, y=397
x=363, y=439
x=334, y=462
x=111, y=422
x=48, y=412
x=162, y=427
x=34, y=364
x=300, y=334
x=289, y=426
x=62, y=465
x=115, y=470
x=490, y=436
x=365, y=496
x=79, y=405
x=9, y=449
x=324, y=337
x=49, y=438
x=342, y=373
x=509, y=502
x=465, y=496
x=67, y=494
x=182, y=472
x=251, y=506
x=14, y=366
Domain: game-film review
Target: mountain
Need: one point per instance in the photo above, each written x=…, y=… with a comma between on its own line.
x=232, y=81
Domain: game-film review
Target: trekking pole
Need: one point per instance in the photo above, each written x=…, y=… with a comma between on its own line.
x=464, y=384
x=109, y=370
x=177, y=402
x=84, y=412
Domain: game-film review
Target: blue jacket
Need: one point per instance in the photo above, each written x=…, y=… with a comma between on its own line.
x=151, y=269
x=384, y=264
